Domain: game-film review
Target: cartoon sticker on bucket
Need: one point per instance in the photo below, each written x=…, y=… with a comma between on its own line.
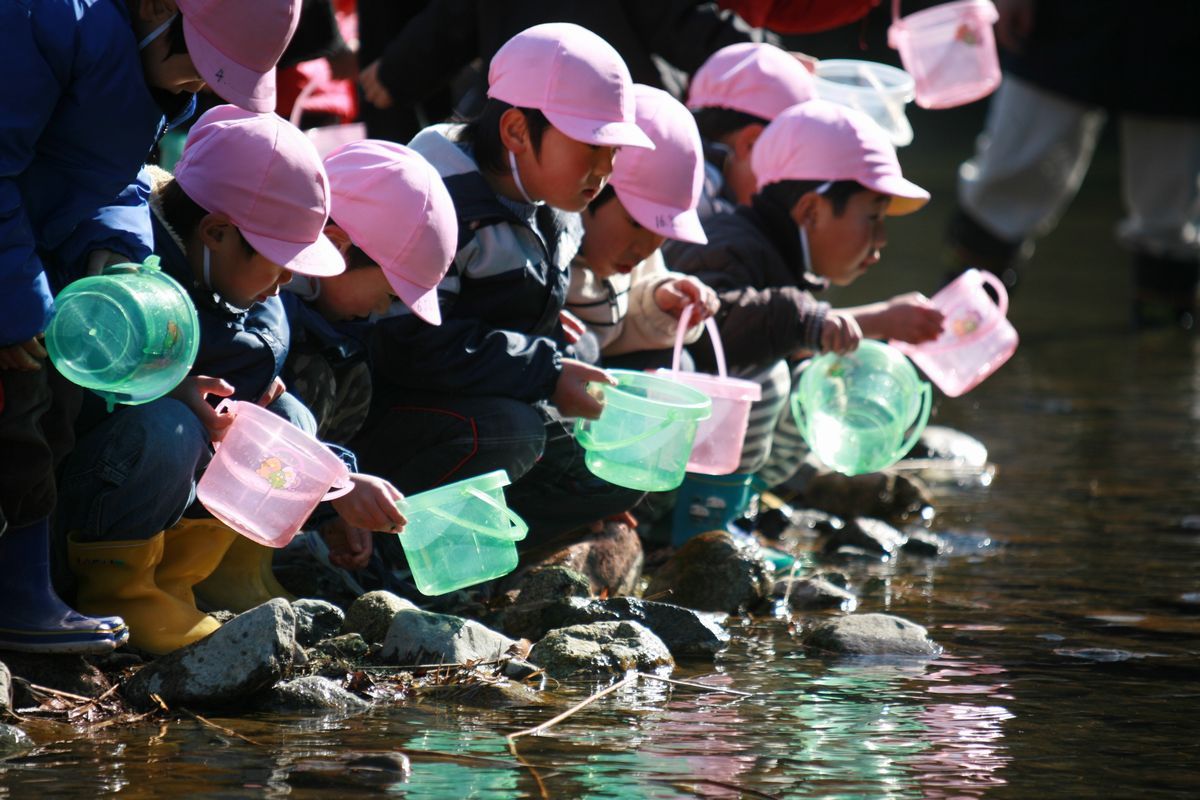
x=277, y=473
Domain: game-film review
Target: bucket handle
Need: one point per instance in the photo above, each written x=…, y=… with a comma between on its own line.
x=896, y=113
x=519, y=528
x=584, y=437
x=714, y=336
x=1002, y=312
x=992, y=280
x=918, y=423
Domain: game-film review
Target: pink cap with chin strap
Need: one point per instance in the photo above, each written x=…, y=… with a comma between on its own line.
x=393, y=205
x=823, y=141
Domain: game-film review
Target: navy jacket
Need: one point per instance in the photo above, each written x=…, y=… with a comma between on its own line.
x=77, y=120
x=500, y=333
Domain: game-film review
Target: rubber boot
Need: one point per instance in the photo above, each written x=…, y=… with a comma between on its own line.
x=243, y=579
x=118, y=577
x=192, y=549
x=33, y=619
x=708, y=502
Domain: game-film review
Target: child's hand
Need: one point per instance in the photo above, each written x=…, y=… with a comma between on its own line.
x=192, y=390
x=23, y=357
x=571, y=396
x=840, y=334
x=573, y=327
x=373, y=88
x=675, y=295
x=349, y=547
x=907, y=317
x=371, y=504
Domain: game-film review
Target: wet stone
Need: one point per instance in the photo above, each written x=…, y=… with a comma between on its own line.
x=310, y=694
x=552, y=582
x=871, y=635
x=947, y=444
x=814, y=594
x=684, y=631
x=714, y=572
x=870, y=535
x=6, y=693
x=349, y=646
x=13, y=741
x=316, y=620
x=601, y=648
x=422, y=637
x=925, y=543
x=884, y=495
x=371, y=615
x=610, y=559
x=66, y=673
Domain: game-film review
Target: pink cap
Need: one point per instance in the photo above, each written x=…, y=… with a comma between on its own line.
x=758, y=79
x=824, y=141
x=573, y=77
x=661, y=187
x=236, y=44
x=393, y=205
x=266, y=176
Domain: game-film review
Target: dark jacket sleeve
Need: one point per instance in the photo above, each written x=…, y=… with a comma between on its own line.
x=684, y=32
x=430, y=50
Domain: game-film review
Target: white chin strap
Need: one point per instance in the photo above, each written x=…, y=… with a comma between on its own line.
x=512, y=164
x=157, y=32
x=804, y=249
x=217, y=297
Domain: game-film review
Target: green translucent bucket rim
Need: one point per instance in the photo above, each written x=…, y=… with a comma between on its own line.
x=487, y=482
x=692, y=403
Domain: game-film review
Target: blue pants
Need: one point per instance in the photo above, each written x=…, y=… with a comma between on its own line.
x=135, y=473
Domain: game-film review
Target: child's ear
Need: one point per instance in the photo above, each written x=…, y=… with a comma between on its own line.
x=213, y=230
x=804, y=211
x=340, y=239
x=514, y=131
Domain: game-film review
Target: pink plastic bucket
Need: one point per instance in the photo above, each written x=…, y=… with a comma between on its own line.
x=718, y=447
x=949, y=50
x=268, y=475
x=976, y=340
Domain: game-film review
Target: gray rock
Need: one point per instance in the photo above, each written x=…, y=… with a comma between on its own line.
x=371, y=615
x=244, y=656
x=6, y=696
x=316, y=620
x=714, y=572
x=610, y=559
x=484, y=694
x=518, y=669
x=348, y=645
x=885, y=495
x=684, y=631
x=422, y=637
x=872, y=535
x=310, y=694
x=946, y=444
x=601, y=648
x=552, y=582
x=14, y=741
x=925, y=543
x=67, y=673
x=871, y=635
x=813, y=594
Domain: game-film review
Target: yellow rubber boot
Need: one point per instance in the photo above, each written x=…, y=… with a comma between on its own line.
x=243, y=579
x=192, y=549
x=118, y=578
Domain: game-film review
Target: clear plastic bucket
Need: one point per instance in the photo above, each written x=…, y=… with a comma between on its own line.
x=878, y=90
x=976, y=339
x=130, y=334
x=719, y=439
x=461, y=534
x=950, y=51
x=643, y=438
x=267, y=475
x=861, y=412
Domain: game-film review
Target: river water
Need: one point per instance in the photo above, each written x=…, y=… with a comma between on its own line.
x=1068, y=608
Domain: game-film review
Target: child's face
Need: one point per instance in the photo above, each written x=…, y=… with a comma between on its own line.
x=566, y=173
x=241, y=278
x=354, y=294
x=174, y=73
x=614, y=242
x=843, y=247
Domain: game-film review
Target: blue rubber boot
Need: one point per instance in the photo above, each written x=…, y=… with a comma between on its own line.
x=33, y=619
x=707, y=503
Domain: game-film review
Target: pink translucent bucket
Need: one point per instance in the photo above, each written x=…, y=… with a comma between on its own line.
x=949, y=50
x=718, y=446
x=976, y=340
x=268, y=475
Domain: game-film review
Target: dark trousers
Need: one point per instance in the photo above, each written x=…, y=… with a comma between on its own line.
x=36, y=432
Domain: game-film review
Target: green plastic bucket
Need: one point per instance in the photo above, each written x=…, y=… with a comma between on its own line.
x=130, y=334
x=863, y=411
x=461, y=534
x=643, y=438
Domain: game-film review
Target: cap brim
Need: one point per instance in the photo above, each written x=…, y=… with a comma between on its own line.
x=664, y=220
x=319, y=259
x=421, y=300
x=599, y=131
x=251, y=90
x=907, y=197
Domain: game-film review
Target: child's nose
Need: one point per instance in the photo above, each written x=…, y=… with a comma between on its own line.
x=603, y=165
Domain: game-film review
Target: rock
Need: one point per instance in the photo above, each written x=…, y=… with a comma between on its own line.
x=310, y=694
x=518, y=669
x=946, y=444
x=601, y=648
x=316, y=620
x=553, y=582
x=244, y=656
x=610, y=559
x=66, y=673
x=925, y=543
x=714, y=572
x=371, y=615
x=422, y=637
x=872, y=535
x=6, y=697
x=396, y=763
x=871, y=635
x=813, y=594
x=484, y=694
x=350, y=646
x=885, y=495
x=13, y=741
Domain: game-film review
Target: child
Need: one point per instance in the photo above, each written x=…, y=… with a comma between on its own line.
x=827, y=176
x=91, y=83
x=473, y=395
x=246, y=208
x=620, y=287
x=734, y=95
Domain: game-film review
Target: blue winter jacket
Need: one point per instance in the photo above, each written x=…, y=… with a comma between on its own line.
x=77, y=121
